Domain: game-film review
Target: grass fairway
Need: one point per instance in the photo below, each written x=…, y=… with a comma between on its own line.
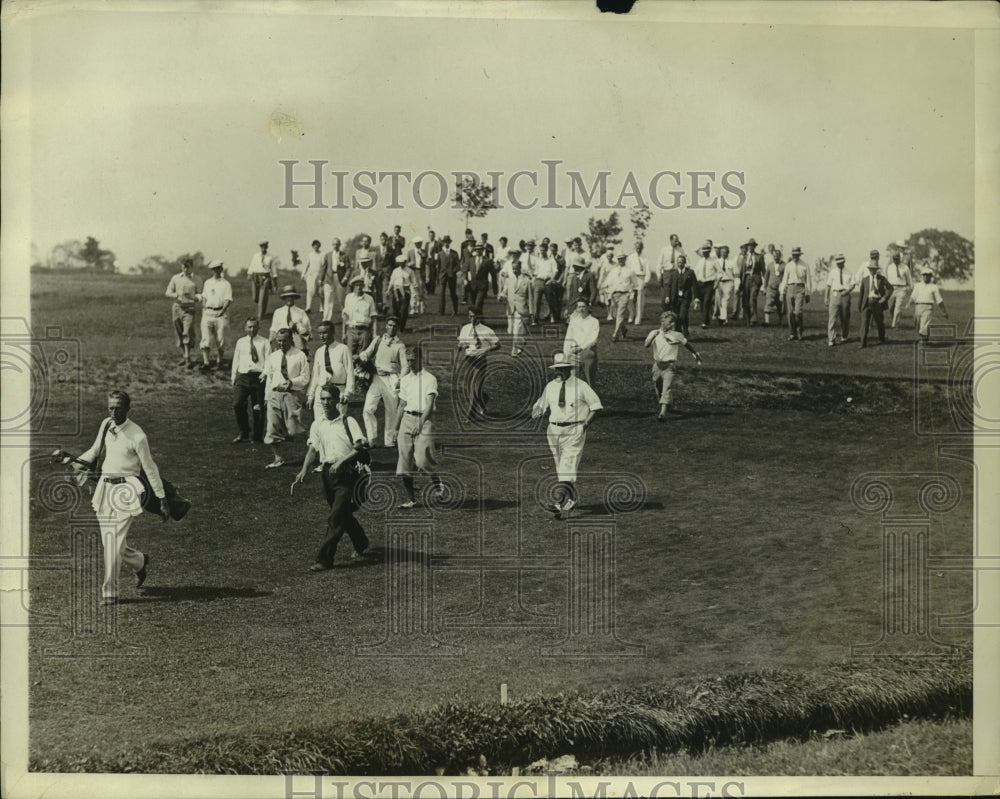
x=741, y=552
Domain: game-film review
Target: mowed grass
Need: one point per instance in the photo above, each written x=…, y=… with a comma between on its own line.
x=746, y=553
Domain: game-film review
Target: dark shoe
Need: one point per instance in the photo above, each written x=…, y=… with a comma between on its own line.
x=661, y=417
x=140, y=576
x=320, y=567
x=241, y=439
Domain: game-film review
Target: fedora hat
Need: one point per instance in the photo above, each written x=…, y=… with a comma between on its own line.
x=289, y=291
x=562, y=361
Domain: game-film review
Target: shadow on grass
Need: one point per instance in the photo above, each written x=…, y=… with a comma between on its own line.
x=193, y=593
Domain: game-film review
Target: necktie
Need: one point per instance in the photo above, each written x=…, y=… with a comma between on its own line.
x=290, y=324
x=284, y=366
x=840, y=277
x=326, y=359
x=253, y=352
x=562, y=394
x=476, y=337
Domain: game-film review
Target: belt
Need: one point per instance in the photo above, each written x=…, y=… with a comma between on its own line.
x=415, y=413
x=898, y=285
x=250, y=374
x=359, y=327
x=114, y=480
x=385, y=374
x=725, y=280
x=566, y=424
x=217, y=308
x=795, y=284
x=923, y=303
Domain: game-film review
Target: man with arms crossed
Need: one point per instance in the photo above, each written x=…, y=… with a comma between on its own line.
x=388, y=355
x=581, y=341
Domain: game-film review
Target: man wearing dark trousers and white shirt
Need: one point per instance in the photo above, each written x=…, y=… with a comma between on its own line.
x=249, y=356
x=337, y=442
x=875, y=293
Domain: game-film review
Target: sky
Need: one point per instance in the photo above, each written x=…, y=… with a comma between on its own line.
x=163, y=133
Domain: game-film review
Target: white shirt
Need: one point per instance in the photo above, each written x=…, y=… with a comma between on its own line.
x=216, y=294
x=126, y=453
x=290, y=315
x=358, y=311
x=796, y=272
x=581, y=332
x=925, y=292
x=727, y=269
x=402, y=278
x=581, y=399
x=620, y=279
x=665, y=345
x=243, y=363
x=640, y=270
x=183, y=289
x=837, y=280
x=297, y=365
x=314, y=260
x=468, y=338
x=261, y=264
x=706, y=269
x=414, y=389
x=340, y=362
x=861, y=274
x=545, y=269
x=898, y=274
x=330, y=440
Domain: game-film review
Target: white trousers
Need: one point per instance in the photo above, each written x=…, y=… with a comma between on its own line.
x=385, y=390
x=116, y=505
x=566, y=444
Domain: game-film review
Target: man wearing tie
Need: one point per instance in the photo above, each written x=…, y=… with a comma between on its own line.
x=571, y=405
x=751, y=281
x=415, y=431
x=483, y=274
x=726, y=284
x=875, y=293
x=838, y=301
x=706, y=271
x=249, y=356
x=263, y=275
x=388, y=355
x=581, y=340
x=332, y=275
x=448, y=267
x=476, y=340
x=796, y=286
x=286, y=372
x=431, y=252
x=640, y=277
x=293, y=318
x=898, y=274
x=332, y=363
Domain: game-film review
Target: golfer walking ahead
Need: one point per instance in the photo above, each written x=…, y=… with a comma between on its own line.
x=119, y=493
x=571, y=405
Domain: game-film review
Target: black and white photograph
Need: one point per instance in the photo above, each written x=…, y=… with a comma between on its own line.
x=489, y=399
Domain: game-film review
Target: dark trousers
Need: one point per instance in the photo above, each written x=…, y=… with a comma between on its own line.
x=431, y=277
x=749, y=295
x=867, y=314
x=682, y=307
x=706, y=291
x=401, y=307
x=473, y=377
x=553, y=295
x=480, y=291
x=248, y=386
x=261, y=289
x=449, y=285
x=339, y=491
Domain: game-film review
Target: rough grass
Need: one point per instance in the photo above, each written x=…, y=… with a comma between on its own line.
x=734, y=710
x=924, y=747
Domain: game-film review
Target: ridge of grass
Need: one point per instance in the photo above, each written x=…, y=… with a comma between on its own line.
x=736, y=709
